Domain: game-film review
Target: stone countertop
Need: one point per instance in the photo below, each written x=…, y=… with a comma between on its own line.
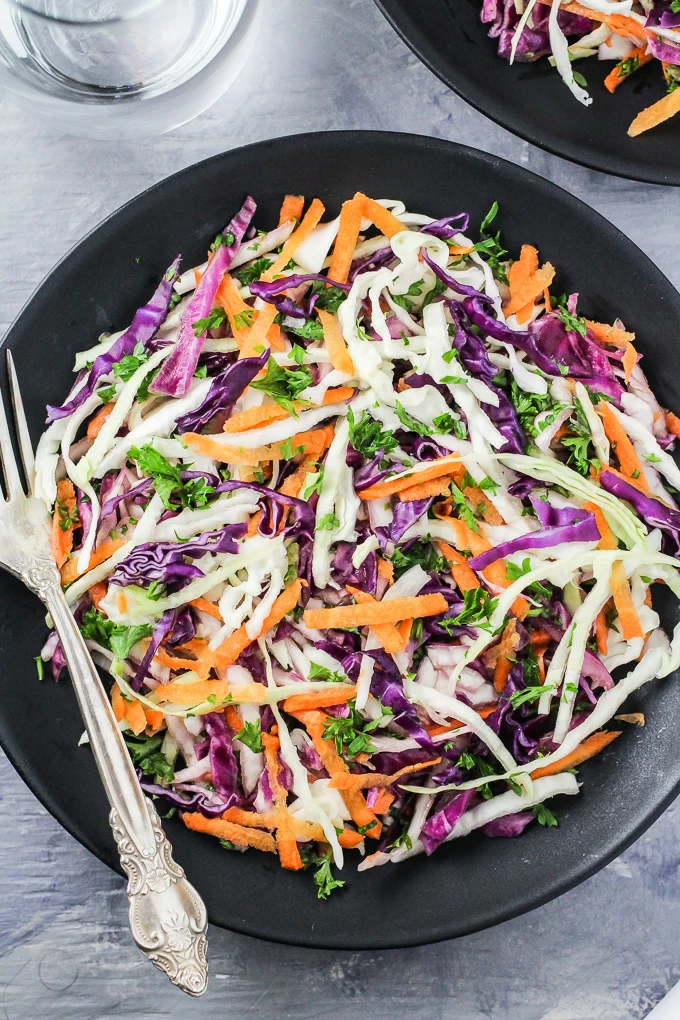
x=605, y=951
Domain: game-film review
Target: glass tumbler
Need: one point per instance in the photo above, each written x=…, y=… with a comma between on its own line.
x=122, y=68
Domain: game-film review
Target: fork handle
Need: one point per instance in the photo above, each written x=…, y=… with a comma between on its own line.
x=167, y=916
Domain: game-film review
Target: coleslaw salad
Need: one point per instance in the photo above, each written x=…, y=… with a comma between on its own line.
x=362, y=520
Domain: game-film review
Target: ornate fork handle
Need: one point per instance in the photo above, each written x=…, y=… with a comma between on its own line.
x=167, y=916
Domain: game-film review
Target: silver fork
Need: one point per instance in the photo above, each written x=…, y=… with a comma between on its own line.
x=167, y=916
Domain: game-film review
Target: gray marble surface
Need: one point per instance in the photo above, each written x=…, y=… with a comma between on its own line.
x=605, y=951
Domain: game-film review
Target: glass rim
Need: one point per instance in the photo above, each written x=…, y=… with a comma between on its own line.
x=26, y=6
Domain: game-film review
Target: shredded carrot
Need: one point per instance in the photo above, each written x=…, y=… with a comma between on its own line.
x=601, y=632
x=508, y=645
x=361, y=815
x=229, y=651
x=335, y=342
x=234, y=722
x=286, y=844
x=201, y=665
x=628, y=459
x=346, y=241
x=435, y=469
x=589, y=748
x=314, y=442
x=238, y=834
x=613, y=335
x=154, y=720
x=656, y=114
x=607, y=540
x=69, y=571
x=97, y=592
x=462, y=574
x=256, y=340
x=383, y=802
x=132, y=711
x=619, y=73
x=630, y=622
x=291, y=209
x=209, y=608
x=197, y=691
x=256, y=417
x=254, y=524
x=229, y=297
x=335, y=695
x=386, y=570
x=308, y=223
x=390, y=637
x=387, y=611
x=366, y=780
x=481, y=501
x=301, y=828
x=527, y=281
x=435, y=487
x=672, y=422
x=61, y=538
x=380, y=217
x=97, y=423
x=461, y=249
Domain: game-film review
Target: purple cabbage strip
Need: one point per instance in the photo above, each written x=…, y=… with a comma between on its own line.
x=224, y=391
x=271, y=292
x=585, y=530
x=387, y=685
x=519, y=729
x=441, y=274
x=444, y=230
x=222, y=759
x=510, y=825
x=535, y=39
x=364, y=577
x=183, y=629
x=405, y=515
x=144, y=325
x=661, y=16
x=377, y=260
x=177, y=370
x=164, y=561
x=274, y=505
x=161, y=630
x=550, y=516
x=111, y=504
x=442, y=822
x=196, y=802
x=655, y=513
x=664, y=50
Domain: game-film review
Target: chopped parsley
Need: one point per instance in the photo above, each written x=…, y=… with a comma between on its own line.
x=544, y=816
x=312, y=330
x=214, y=320
x=253, y=272
x=411, y=424
x=174, y=493
x=464, y=512
x=328, y=523
x=421, y=552
x=148, y=757
x=67, y=518
x=529, y=694
x=573, y=322
x=284, y=384
x=479, y=606
x=323, y=876
x=318, y=672
x=367, y=436
x=251, y=736
x=351, y=734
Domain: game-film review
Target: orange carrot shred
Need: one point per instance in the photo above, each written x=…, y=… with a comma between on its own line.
x=387, y=611
x=589, y=748
x=229, y=651
x=380, y=217
x=462, y=574
x=366, y=780
x=238, y=834
x=509, y=642
x=623, y=600
x=69, y=571
x=61, y=538
x=656, y=114
x=351, y=215
x=335, y=695
x=97, y=423
x=292, y=209
x=435, y=469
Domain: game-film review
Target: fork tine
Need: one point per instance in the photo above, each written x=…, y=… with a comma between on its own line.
x=25, y=445
x=9, y=464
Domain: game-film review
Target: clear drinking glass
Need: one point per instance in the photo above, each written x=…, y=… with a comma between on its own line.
x=122, y=68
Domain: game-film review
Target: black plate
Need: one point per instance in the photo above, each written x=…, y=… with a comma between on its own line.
x=473, y=883
x=530, y=99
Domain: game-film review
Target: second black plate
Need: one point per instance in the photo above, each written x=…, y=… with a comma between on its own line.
x=531, y=100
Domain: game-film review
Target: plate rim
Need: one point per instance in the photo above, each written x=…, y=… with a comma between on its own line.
x=580, y=871
x=577, y=156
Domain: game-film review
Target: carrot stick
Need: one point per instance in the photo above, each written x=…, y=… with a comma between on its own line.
x=504, y=663
x=255, y=418
x=130, y=710
x=309, y=222
x=361, y=815
x=198, y=691
x=61, y=538
x=207, y=607
x=527, y=281
x=259, y=331
x=607, y=540
x=601, y=632
x=383, y=802
x=154, y=720
x=627, y=457
x=589, y=748
x=389, y=611
x=229, y=297
x=97, y=423
x=656, y=114
x=672, y=423
x=313, y=442
x=97, y=592
x=69, y=571
x=462, y=574
x=437, y=468
x=390, y=637
x=630, y=622
x=619, y=74
x=346, y=241
x=235, y=723
x=607, y=334
x=435, y=487
x=353, y=781
x=238, y=834
x=335, y=342
x=292, y=209
x=380, y=217
x=386, y=570
x=319, y=699
x=229, y=651
x=289, y=855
